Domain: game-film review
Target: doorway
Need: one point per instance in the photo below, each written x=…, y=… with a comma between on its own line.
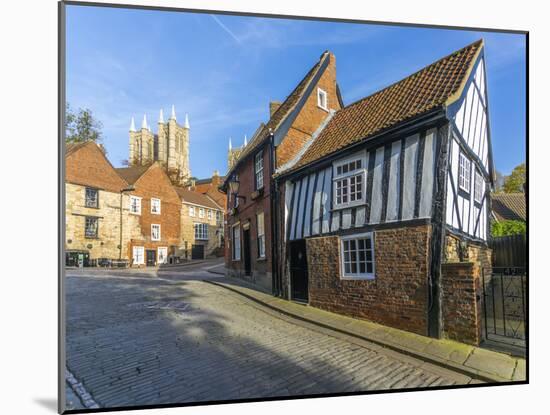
x=197, y=251
x=246, y=253
x=151, y=256
x=298, y=271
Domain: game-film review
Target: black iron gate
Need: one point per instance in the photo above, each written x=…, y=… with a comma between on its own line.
x=504, y=291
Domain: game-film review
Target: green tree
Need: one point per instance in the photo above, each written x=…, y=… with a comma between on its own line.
x=508, y=227
x=82, y=126
x=514, y=182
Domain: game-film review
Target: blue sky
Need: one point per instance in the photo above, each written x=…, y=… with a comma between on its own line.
x=223, y=71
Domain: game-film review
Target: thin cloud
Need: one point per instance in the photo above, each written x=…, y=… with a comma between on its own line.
x=224, y=27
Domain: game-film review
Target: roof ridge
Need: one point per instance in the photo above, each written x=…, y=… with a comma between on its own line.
x=456, y=52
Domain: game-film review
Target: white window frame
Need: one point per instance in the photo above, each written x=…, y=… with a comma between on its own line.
x=236, y=253
x=260, y=233
x=357, y=275
x=479, y=186
x=201, y=213
x=259, y=170
x=154, y=201
x=209, y=214
x=134, y=256
x=322, y=94
x=153, y=225
x=138, y=205
x=95, y=220
x=164, y=249
x=464, y=172
x=346, y=178
x=202, y=234
x=192, y=211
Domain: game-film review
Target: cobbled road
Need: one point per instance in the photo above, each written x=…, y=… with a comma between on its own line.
x=137, y=339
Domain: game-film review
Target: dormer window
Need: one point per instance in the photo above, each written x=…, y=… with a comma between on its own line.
x=322, y=99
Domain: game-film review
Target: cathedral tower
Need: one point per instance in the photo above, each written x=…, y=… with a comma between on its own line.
x=169, y=147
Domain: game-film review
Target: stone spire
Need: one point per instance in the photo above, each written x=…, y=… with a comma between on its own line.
x=133, y=126
x=144, y=122
x=173, y=116
x=230, y=146
x=186, y=124
x=161, y=116
x=245, y=141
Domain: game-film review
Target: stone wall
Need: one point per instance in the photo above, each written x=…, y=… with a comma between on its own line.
x=461, y=301
x=396, y=297
x=188, y=231
x=108, y=241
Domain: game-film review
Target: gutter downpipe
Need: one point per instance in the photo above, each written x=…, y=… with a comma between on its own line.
x=275, y=280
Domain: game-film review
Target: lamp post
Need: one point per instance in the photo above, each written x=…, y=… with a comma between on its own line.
x=234, y=185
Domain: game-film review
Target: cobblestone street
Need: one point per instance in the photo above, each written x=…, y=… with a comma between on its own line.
x=143, y=340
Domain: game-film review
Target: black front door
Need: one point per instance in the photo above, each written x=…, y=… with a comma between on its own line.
x=151, y=257
x=246, y=252
x=298, y=270
x=197, y=252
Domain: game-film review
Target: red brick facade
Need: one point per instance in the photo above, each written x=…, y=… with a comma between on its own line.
x=154, y=183
x=246, y=216
x=307, y=121
x=397, y=296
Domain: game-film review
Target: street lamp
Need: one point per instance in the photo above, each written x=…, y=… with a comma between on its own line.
x=234, y=185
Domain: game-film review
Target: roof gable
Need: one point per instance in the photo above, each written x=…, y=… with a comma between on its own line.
x=286, y=111
x=509, y=206
x=435, y=86
x=196, y=198
x=87, y=165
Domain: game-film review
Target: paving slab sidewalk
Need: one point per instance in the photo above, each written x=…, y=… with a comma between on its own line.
x=478, y=363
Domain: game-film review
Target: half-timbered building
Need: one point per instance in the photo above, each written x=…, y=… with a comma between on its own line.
x=390, y=188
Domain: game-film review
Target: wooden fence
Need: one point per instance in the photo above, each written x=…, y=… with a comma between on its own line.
x=509, y=251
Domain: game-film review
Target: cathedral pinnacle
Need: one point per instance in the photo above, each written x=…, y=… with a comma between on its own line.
x=173, y=116
x=133, y=126
x=186, y=124
x=161, y=116
x=144, y=122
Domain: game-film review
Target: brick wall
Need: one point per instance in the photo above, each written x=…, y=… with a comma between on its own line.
x=155, y=184
x=461, y=301
x=310, y=116
x=247, y=211
x=396, y=297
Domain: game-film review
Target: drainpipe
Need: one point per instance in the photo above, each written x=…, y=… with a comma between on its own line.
x=128, y=189
x=275, y=280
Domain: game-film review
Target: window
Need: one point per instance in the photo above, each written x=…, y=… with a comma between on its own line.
x=464, y=172
x=209, y=214
x=219, y=218
x=349, y=183
x=155, y=232
x=259, y=170
x=478, y=187
x=192, y=211
x=162, y=255
x=90, y=227
x=92, y=199
x=322, y=99
x=358, y=256
x=236, y=242
x=201, y=213
x=155, y=206
x=201, y=231
x=137, y=255
x=261, y=234
x=135, y=205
